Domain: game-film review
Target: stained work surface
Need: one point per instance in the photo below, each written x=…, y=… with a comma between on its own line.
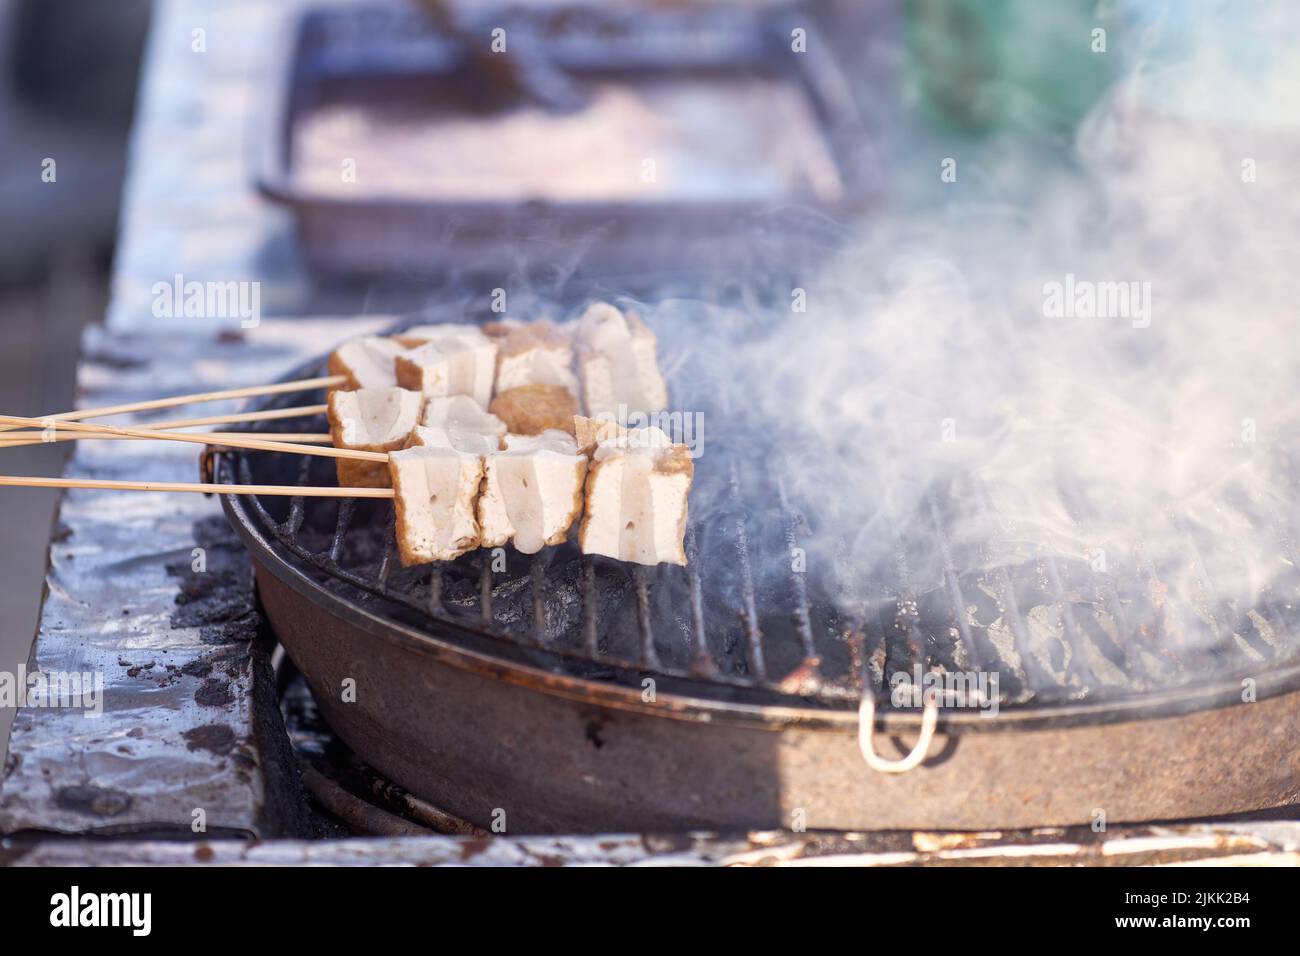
x=189, y=720
x=154, y=592
x=1258, y=844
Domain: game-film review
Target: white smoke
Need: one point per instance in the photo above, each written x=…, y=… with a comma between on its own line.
x=927, y=379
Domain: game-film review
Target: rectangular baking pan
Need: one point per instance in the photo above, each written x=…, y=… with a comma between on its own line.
x=376, y=54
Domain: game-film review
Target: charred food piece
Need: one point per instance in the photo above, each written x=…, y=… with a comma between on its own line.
x=370, y=419
x=533, y=409
x=533, y=491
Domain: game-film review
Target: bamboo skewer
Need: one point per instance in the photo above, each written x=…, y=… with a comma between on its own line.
x=200, y=439
x=19, y=439
x=301, y=385
x=270, y=414
x=70, y=422
x=10, y=439
x=292, y=491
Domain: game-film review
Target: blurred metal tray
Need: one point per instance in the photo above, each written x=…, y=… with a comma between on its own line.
x=375, y=55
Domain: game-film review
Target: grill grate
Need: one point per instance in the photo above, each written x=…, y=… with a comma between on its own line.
x=1053, y=631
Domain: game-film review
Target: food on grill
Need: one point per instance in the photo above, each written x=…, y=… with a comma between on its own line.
x=616, y=363
x=499, y=453
x=367, y=362
x=637, y=486
x=456, y=364
x=370, y=419
x=532, y=353
x=533, y=409
x=471, y=442
x=533, y=493
x=462, y=413
x=590, y=432
x=434, y=494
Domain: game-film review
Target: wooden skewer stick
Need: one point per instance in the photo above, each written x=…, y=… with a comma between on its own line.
x=270, y=414
x=10, y=439
x=302, y=385
x=293, y=491
x=19, y=439
x=298, y=411
x=199, y=439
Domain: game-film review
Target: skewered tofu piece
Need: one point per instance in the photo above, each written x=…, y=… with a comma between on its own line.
x=616, y=363
x=533, y=409
x=637, y=487
x=370, y=419
x=533, y=491
x=368, y=362
x=470, y=442
x=591, y=432
x=461, y=413
x=452, y=365
x=435, y=490
x=532, y=353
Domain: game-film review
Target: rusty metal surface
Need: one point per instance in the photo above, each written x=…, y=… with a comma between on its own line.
x=356, y=231
x=189, y=718
x=1259, y=844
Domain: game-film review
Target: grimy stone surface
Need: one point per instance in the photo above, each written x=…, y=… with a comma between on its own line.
x=1261, y=844
x=190, y=729
x=153, y=592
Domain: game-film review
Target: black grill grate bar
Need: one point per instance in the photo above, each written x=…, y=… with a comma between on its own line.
x=390, y=554
x=702, y=662
x=955, y=597
x=798, y=579
x=749, y=610
x=590, y=634
x=906, y=606
x=347, y=509
x=298, y=505
x=485, y=587
x=435, y=589
x=537, y=590
x=649, y=656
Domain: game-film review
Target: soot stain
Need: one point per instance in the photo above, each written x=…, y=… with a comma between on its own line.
x=218, y=739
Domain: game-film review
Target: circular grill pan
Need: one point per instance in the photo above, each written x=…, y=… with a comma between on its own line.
x=731, y=694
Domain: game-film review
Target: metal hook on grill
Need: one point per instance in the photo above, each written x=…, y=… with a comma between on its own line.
x=867, y=734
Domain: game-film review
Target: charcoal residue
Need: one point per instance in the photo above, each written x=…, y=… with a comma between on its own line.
x=217, y=739
x=218, y=600
x=92, y=800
